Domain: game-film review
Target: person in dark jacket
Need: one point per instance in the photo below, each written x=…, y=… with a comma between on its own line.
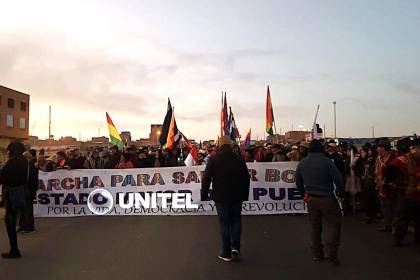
x=228, y=174
x=114, y=159
x=14, y=174
x=26, y=219
x=171, y=158
x=365, y=173
x=75, y=160
x=319, y=180
x=143, y=159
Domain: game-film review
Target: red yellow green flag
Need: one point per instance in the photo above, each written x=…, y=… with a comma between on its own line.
x=269, y=116
x=113, y=133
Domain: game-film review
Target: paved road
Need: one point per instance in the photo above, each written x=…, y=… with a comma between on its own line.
x=274, y=247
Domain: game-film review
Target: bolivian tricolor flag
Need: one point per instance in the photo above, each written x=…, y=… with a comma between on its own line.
x=113, y=134
x=269, y=116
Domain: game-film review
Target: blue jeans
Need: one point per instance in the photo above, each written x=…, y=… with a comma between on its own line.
x=230, y=225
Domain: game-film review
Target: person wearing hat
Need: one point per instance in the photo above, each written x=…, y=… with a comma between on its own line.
x=303, y=150
x=279, y=153
x=293, y=155
x=403, y=174
x=228, y=174
x=13, y=175
x=318, y=179
x=386, y=195
x=62, y=161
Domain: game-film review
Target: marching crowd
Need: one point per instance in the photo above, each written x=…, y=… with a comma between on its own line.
x=380, y=180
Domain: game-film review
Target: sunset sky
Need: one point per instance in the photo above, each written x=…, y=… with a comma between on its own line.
x=127, y=57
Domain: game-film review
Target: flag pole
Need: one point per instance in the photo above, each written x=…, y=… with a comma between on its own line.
x=221, y=115
x=314, y=124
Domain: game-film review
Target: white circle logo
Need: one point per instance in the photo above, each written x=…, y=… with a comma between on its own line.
x=100, y=202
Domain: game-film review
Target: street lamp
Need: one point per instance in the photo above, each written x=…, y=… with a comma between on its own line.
x=157, y=137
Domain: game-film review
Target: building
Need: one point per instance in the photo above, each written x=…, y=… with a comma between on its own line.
x=14, y=117
x=276, y=139
x=101, y=141
x=143, y=142
x=296, y=136
x=51, y=146
x=155, y=132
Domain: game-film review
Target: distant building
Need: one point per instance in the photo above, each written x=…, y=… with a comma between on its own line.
x=14, y=117
x=155, y=132
x=296, y=136
x=143, y=142
x=102, y=140
x=276, y=138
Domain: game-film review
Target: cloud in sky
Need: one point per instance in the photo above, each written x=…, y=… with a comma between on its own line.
x=128, y=57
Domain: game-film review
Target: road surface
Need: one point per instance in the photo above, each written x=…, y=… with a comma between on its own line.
x=274, y=247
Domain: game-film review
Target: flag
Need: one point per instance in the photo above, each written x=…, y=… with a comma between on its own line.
x=172, y=133
x=269, y=116
x=247, y=142
x=166, y=123
x=166, y=129
x=233, y=129
x=113, y=133
x=192, y=158
x=224, y=122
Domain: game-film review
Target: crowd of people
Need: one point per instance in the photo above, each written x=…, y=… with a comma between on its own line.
x=380, y=180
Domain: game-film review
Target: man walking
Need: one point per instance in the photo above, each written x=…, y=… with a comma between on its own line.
x=316, y=176
x=228, y=174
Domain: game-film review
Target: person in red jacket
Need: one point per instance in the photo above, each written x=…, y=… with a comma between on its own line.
x=125, y=162
x=386, y=195
x=409, y=170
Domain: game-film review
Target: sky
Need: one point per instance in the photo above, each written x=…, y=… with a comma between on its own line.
x=85, y=58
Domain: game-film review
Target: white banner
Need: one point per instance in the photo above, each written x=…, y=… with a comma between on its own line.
x=64, y=193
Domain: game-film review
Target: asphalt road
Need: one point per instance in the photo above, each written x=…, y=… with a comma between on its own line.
x=274, y=247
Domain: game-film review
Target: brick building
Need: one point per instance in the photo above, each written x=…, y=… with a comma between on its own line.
x=14, y=117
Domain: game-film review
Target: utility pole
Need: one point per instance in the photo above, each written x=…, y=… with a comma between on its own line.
x=335, y=120
x=49, y=123
x=325, y=131
x=373, y=131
